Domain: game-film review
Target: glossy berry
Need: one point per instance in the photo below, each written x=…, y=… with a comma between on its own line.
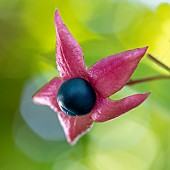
x=76, y=97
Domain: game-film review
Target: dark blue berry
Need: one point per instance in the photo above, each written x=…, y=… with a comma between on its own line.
x=76, y=97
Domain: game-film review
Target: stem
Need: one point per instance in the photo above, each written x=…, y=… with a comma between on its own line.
x=158, y=62
x=142, y=80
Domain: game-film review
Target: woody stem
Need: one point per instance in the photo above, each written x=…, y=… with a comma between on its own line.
x=142, y=80
x=158, y=62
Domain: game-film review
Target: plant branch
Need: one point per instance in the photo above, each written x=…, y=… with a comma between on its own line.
x=142, y=80
x=158, y=62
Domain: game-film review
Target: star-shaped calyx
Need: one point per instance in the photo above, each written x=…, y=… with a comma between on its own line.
x=80, y=95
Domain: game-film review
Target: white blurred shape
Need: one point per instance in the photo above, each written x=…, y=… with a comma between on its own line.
x=153, y=4
x=41, y=119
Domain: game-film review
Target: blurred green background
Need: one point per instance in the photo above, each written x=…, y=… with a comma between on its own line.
x=30, y=136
